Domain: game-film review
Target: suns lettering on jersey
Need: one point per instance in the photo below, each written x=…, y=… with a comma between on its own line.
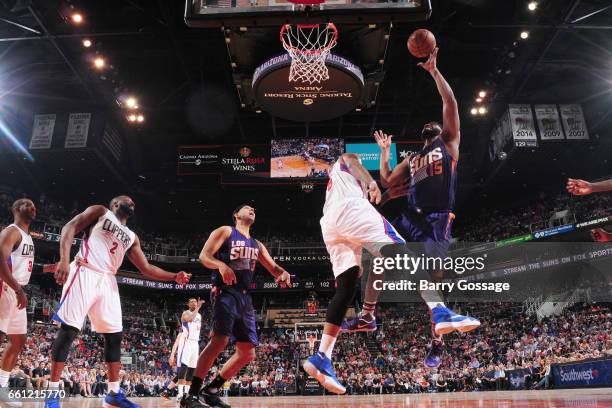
x=241, y=251
x=116, y=231
x=427, y=165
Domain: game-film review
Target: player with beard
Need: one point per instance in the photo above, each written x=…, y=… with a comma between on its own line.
x=429, y=179
x=90, y=288
x=232, y=253
x=17, y=247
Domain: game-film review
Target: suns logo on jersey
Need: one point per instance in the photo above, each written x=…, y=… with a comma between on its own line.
x=241, y=251
x=429, y=164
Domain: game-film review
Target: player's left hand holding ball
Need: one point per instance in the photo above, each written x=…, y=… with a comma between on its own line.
x=430, y=65
x=374, y=192
x=284, y=278
x=182, y=278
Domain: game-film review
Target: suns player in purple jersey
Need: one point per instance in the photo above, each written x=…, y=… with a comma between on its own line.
x=430, y=180
x=232, y=253
x=17, y=249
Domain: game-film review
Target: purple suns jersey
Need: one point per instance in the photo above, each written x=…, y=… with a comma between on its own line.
x=433, y=179
x=239, y=253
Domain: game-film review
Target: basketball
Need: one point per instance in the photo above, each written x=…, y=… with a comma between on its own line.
x=421, y=43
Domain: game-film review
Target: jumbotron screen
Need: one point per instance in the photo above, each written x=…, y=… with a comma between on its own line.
x=304, y=158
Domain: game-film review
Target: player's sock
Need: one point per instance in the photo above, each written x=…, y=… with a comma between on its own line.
x=434, y=336
x=186, y=389
x=327, y=345
x=368, y=311
x=214, y=385
x=431, y=305
x=196, y=386
x=4, y=378
x=113, y=386
x=181, y=388
x=54, y=385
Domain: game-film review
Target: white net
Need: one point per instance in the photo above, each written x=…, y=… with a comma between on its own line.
x=308, y=46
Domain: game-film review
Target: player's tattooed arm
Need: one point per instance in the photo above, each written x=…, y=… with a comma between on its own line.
x=279, y=273
x=390, y=177
x=138, y=258
x=211, y=247
x=10, y=239
x=69, y=231
x=353, y=162
x=450, y=109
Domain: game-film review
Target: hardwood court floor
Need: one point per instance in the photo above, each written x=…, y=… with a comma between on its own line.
x=585, y=398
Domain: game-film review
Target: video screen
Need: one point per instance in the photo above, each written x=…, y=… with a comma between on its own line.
x=304, y=158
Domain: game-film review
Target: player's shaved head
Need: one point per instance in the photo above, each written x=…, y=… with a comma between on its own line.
x=18, y=203
x=24, y=209
x=118, y=199
x=123, y=206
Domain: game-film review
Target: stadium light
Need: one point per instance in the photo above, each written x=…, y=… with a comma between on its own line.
x=474, y=111
x=131, y=102
x=140, y=118
x=482, y=110
x=524, y=35
x=131, y=118
x=532, y=5
x=99, y=62
x=478, y=100
x=77, y=18
x=482, y=94
x=86, y=43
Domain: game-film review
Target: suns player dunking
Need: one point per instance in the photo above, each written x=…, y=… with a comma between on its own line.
x=232, y=253
x=90, y=287
x=431, y=180
x=16, y=262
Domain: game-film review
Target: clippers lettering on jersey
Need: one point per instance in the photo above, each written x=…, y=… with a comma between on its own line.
x=28, y=250
x=425, y=166
x=117, y=232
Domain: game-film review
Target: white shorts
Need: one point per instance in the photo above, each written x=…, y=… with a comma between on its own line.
x=188, y=353
x=12, y=320
x=93, y=294
x=351, y=226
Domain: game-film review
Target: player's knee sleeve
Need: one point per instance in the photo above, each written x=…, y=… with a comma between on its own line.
x=345, y=292
x=62, y=343
x=112, y=347
x=189, y=373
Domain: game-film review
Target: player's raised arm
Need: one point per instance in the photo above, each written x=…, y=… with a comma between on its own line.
x=279, y=273
x=388, y=177
x=138, y=258
x=69, y=231
x=188, y=315
x=10, y=239
x=360, y=173
x=450, y=110
x=211, y=247
x=582, y=187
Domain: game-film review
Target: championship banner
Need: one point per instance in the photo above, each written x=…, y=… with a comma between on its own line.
x=192, y=160
x=369, y=153
x=78, y=130
x=523, y=128
x=548, y=122
x=582, y=374
x=573, y=122
x=42, y=131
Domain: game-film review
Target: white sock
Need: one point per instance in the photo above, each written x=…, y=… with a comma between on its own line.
x=54, y=385
x=113, y=386
x=181, y=387
x=186, y=389
x=4, y=378
x=431, y=305
x=327, y=345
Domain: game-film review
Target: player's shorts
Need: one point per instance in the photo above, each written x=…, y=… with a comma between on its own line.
x=12, y=320
x=432, y=229
x=234, y=316
x=188, y=353
x=351, y=226
x=93, y=294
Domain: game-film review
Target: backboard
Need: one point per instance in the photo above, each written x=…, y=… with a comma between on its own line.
x=249, y=13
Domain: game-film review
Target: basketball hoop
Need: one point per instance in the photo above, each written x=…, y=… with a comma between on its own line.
x=308, y=46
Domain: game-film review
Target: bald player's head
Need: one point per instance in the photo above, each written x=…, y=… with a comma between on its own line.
x=123, y=206
x=24, y=209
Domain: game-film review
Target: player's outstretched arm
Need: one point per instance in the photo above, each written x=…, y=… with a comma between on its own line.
x=450, y=109
x=211, y=247
x=582, y=187
x=279, y=273
x=138, y=258
x=188, y=315
x=390, y=177
x=10, y=239
x=353, y=162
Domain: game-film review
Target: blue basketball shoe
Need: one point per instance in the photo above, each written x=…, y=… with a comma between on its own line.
x=446, y=321
x=358, y=324
x=52, y=401
x=434, y=357
x=320, y=367
x=118, y=400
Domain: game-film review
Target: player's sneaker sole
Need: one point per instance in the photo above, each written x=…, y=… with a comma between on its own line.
x=464, y=326
x=328, y=383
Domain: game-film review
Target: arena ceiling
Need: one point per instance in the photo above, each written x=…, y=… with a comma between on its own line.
x=185, y=85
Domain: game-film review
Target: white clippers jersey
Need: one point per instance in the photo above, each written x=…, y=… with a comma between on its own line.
x=105, y=244
x=191, y=330
x=21, y=260
x=342, y=185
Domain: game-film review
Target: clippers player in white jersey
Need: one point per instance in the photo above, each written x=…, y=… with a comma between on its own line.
x=90, y=287
x=16, y=264
x=187, y=346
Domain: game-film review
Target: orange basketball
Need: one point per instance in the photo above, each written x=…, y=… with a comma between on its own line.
x=421, y=43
